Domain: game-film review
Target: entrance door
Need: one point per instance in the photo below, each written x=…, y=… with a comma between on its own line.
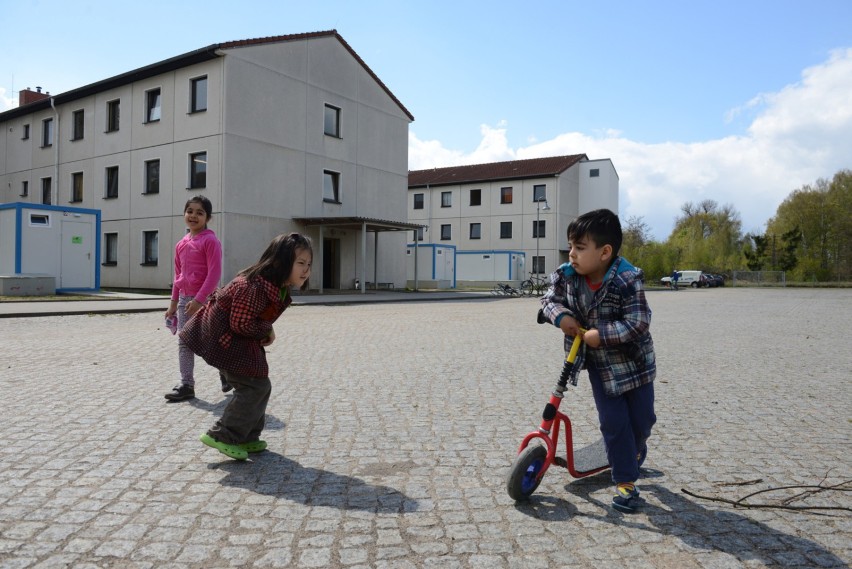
x=76, y=264
x=331, y=263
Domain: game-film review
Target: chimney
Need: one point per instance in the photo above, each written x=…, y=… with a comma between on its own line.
x=26, y=96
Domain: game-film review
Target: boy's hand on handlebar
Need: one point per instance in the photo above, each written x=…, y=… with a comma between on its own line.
x=569, y=326
x=592, y=338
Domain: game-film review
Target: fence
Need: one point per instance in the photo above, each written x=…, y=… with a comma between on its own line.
x=759, y=278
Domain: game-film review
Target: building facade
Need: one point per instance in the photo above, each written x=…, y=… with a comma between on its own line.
x=513, y=215
x=288, y=133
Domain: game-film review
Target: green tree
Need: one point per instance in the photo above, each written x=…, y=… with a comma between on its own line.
x=840, y=203
x=813, y=221
x=707, y=237
x=787, y=260
x=754, y=250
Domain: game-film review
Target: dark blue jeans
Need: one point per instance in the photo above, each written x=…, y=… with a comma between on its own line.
x=626, y=422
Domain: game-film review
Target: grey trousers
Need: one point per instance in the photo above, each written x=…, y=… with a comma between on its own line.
x=244, y=417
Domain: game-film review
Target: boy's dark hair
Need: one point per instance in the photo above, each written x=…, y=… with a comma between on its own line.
x=204, y=202
x=276, y=263
x=601, y=226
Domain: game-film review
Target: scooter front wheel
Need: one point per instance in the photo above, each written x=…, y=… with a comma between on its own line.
x=523, y=476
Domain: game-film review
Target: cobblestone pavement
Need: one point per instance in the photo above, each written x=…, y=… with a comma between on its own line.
x=391, y=430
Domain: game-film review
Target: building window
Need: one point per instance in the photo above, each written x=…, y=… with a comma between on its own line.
x=538, y=229
x=78, y=119
x=110, y=249
x=475, y=230
x=332, y=121
x=111, y=190
x=505, y=230
x=76, y=187
x=330, y=186
x=113, y=115
x=418, y=201
x=25, y=188
x=46, y=191
x=152, y=105
x=540, y=193
x=150, y=240
x=199, y=95
x=47, y=132
x=39, y=220
x=420, y=234
x=538, y=264
x=476, y=197
x=446, y=232
x=152, y=177
x=26, y=133
x=446, y=199
x=197, y=170
x=505, y=195
x=594, y=172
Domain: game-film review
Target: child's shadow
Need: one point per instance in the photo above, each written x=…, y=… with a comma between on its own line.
x=700, y=528
x=272, y=423
x=272, y=474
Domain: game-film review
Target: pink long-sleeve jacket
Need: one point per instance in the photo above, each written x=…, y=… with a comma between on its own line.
x=198, y=266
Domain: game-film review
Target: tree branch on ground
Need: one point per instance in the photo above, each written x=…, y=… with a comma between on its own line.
x=788, y=503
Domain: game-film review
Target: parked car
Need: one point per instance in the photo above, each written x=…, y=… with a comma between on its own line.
x=685, y=278
x=716, y=280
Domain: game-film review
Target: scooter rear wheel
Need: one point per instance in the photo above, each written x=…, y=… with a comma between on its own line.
x=523, y=476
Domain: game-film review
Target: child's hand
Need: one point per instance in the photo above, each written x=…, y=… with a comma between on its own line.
x=192, y=307
x=569, y=326
x=269, y=339
x=592, y=338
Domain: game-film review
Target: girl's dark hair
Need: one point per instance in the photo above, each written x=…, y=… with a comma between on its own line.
x=276, y=263
x=601, y=226
x=204, y=202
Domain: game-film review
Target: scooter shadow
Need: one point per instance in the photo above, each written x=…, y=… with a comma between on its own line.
x=272, y=474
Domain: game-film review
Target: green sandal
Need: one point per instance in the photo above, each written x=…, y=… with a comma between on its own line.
x=233, y=451
x=253, y=446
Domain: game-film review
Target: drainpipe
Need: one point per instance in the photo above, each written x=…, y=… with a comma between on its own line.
x=55, y=153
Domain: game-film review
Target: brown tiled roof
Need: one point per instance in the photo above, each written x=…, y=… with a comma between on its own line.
x=512, y=170
x=180, y=61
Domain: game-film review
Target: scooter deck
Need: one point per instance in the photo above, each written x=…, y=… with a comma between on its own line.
x=590, y=459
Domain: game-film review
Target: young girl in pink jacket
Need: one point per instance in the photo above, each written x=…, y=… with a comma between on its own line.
x=198, y=268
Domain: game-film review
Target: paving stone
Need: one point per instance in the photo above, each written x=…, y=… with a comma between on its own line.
x=392, y=428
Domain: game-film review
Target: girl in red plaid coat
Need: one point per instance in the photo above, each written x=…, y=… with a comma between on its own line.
x=233, y=329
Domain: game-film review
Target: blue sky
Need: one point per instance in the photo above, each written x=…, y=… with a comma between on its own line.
x=736, y=101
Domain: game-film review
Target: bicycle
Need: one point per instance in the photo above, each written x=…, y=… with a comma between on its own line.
x=502, y=289
x=535, y=286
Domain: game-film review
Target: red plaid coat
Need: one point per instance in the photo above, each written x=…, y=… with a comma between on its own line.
x=227, y=331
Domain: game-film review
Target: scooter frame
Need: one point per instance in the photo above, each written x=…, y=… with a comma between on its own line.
x=533, y=461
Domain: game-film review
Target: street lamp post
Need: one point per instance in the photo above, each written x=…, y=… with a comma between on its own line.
x=538, y=210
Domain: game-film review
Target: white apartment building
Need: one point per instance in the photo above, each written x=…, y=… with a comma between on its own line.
x=286, y=133
x=518, y=209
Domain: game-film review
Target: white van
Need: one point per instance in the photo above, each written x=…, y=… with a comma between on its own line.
x=686, y=278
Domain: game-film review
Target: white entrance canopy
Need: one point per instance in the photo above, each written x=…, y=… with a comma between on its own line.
x=366, y=225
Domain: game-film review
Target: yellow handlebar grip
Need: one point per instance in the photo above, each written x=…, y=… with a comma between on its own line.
x=575, y=347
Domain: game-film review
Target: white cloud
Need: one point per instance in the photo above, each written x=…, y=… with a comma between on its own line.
x=6, y=103
x=799, y=134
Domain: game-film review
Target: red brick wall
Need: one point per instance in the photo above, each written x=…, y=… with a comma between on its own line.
x=25, y=97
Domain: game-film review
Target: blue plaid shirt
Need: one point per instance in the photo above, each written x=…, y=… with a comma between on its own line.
x=619, y=311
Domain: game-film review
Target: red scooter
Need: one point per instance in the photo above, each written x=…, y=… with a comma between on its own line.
x=533, y=460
